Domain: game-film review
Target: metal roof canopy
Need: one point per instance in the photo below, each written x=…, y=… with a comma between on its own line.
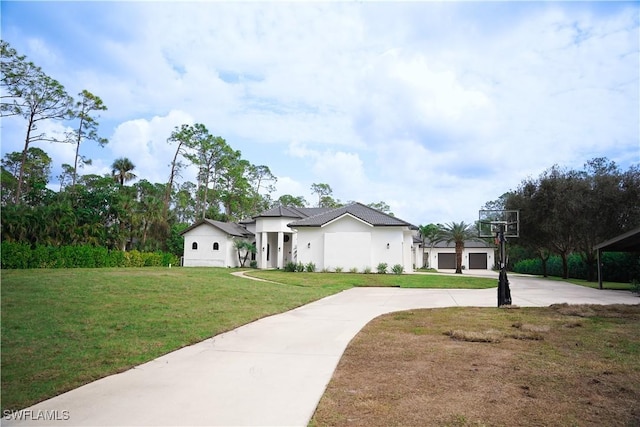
x=627, y=242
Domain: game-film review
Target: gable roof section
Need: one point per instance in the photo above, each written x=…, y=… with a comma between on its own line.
x=291, y=212
x=362, y=212
x=231, y=228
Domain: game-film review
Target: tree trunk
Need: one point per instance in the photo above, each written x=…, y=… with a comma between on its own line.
x=459, y=248
x=75, y=163
x=24, y=160
x=565, y=265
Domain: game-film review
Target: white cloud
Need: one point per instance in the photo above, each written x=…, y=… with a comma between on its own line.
x=434, y=108
x=144, y=142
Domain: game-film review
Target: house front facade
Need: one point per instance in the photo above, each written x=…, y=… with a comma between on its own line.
x=355, y=237
x=351, y=237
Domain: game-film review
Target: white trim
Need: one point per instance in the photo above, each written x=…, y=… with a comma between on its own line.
x=344, y=215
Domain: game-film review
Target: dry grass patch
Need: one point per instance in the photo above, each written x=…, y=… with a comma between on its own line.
x=490, y=367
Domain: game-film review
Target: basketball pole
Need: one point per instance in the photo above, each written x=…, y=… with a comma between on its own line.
x=504, y=293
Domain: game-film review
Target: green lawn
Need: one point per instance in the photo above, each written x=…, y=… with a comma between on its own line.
x=62, y=328
x=346, y=280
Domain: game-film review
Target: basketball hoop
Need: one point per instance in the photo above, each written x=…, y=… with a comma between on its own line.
x=500, y=224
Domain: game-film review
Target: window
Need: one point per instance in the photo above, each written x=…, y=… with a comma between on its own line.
x=216, y=246
x=194, y=246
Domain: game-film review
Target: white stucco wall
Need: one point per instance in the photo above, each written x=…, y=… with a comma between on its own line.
x=205, y=236
x=350, y=243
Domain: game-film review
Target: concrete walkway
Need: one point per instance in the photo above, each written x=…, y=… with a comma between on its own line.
x=271, y=372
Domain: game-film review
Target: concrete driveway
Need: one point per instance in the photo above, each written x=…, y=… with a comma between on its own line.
x=272, y=371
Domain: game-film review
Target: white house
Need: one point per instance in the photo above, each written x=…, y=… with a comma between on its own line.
x=209, y=243
x=353, y=236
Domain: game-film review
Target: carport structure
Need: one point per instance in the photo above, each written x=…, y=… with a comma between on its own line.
x=627, y=242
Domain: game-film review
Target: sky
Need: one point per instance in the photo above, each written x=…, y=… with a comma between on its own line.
x=434, y=108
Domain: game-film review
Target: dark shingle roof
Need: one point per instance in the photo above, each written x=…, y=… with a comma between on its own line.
x=358, y=210
x=230, y=228
x=291, y=212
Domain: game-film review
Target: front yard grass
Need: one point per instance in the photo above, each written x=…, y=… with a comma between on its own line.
x=562, y=365
x=62, y=328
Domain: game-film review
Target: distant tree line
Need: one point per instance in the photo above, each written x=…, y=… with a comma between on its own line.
x=566, y=212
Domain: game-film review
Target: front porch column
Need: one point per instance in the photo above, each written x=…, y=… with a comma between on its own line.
x=280, y=250
x=264, y=242
x=294, y=247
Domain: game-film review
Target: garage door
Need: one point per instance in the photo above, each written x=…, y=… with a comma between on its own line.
x=447, y=261
x=478, y=261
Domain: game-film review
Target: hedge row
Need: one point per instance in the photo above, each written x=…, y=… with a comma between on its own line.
x=22, y=255
x=616, y=267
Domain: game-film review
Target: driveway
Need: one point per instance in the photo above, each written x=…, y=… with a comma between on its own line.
x=272, y=371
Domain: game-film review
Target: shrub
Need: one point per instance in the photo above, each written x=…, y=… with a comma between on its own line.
x=253, y=264
x=310, y=267
x=290, y=267
x=338, y=270
x=20, y=255
x=397, y=269
x=15, y=255
x=382, y=268
x=353, y=270
x=300, y=267
x=367, y=270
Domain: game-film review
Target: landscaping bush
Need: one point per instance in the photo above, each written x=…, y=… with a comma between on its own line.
x=21, y=256
x=253, y=264
x=367, y=270
x=338, y=269
x=15, y=255
x=382, y=268
x=300, y=267
x=290, y=267
x=310, y=267
x=353, y=270
x=397, y=269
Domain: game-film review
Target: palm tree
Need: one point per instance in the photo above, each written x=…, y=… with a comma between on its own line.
x=247, y=248
x=428, y=232
x=121, y=170
x=457, y=232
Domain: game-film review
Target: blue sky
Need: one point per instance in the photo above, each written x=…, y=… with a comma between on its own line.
x=433, y=107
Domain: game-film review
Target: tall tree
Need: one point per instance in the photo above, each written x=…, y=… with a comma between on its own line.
x=181, y=136
x=289, y=200
x=323, y=191
x=121, y=170
x=263, y=181
x=87, y=129
x=382, y=207
x=41, y=98
x=209, y=154
x=459, y=233
x=37, y=166
x=16, y=71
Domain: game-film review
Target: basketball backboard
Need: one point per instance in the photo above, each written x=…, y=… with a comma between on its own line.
x=491, y=221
